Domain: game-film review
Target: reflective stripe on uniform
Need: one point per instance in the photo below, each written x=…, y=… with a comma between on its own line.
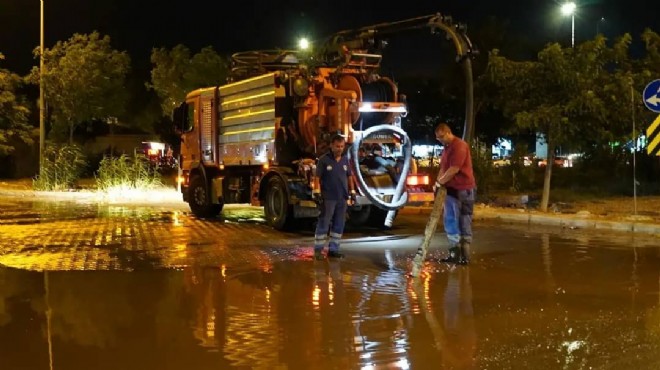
x=453, y=239
x=319, y=242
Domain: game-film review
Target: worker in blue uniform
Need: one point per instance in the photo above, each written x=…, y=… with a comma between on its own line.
x=336, y=191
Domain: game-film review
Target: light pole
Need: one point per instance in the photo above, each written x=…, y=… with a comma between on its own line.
x=601, y=20
x=568, y=8
x=42, y=103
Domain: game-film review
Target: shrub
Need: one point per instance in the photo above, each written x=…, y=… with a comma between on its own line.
x=484, y=172
x=61, y=167
x=126, y=173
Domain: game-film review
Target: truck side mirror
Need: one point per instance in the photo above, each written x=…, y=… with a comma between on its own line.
x=179, y=116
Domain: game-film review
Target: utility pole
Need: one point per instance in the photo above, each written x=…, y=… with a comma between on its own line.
x=573, y=30
x=601, y=20
x=42, y=103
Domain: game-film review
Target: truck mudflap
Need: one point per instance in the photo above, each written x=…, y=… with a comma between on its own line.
x=415, y=198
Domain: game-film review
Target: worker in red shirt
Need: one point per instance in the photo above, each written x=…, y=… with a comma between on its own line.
x=457, y=177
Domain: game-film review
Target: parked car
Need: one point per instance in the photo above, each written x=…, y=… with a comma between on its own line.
x=501, y=162
x=426, y=162
x=558, y=161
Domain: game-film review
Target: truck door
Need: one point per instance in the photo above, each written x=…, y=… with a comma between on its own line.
x=207, y=142
x=190, y=148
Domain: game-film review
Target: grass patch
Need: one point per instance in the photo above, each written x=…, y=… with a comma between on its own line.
x=62, y=166
x=126, y=174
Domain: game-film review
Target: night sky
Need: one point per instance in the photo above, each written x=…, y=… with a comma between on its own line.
x=139, y=25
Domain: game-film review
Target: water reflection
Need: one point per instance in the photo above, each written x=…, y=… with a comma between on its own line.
x=454, y=335
x=22, y=309
x=350, y=314
x=546, y=254
x=304, y=315
x=382, y=316
x=459, y=319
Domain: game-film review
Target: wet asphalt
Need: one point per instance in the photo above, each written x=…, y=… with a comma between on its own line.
x=89, y=286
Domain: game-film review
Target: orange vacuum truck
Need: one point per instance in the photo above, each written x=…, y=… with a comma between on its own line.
x=257, y=139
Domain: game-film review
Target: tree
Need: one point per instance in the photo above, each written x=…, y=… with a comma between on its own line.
x=143, y=111
x=564, y=95
x=83, y=81
x=175, y=73
x=646, y=70
x=494, y=33
x=651, y=62
x=14, y=112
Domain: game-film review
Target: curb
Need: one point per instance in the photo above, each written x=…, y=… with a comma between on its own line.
x=565, y=221
x=480, y=213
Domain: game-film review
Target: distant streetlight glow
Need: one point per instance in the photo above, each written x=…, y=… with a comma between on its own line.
x=303, y=44
x=567, y=9
x=601, y=20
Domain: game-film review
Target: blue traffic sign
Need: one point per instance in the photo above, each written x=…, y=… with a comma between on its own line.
x=652, y=96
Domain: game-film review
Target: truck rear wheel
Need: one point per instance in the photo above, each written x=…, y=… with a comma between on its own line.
x=279, y=214
x=199, y=200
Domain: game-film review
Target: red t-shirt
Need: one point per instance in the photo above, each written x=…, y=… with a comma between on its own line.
x=457, y=154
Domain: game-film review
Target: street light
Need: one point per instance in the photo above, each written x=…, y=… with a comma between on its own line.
x=42, y=103
x=303, y=44
x=567, y=9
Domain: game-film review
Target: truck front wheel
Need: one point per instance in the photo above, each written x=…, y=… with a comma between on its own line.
x=279, y=213
x=359, y=218
x=199, y=200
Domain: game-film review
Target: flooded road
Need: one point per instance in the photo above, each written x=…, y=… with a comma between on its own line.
x=101, y=287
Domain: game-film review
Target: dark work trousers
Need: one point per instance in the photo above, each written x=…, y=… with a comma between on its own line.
x=459, y=205
x=332, y=218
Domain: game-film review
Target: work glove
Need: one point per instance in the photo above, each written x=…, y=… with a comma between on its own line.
x=436, y=186
x=318, y=199
x=352, y=199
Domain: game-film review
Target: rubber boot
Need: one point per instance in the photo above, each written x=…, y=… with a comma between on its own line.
x=464, y=252
x=453, y=257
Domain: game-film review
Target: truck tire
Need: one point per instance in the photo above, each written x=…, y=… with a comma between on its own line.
x=279, y=214
x=199, y=200
x=359, y=218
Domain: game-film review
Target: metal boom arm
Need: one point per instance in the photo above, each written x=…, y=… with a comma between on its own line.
x=456, y=32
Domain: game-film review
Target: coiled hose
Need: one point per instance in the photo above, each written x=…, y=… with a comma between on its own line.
x=400, y=197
